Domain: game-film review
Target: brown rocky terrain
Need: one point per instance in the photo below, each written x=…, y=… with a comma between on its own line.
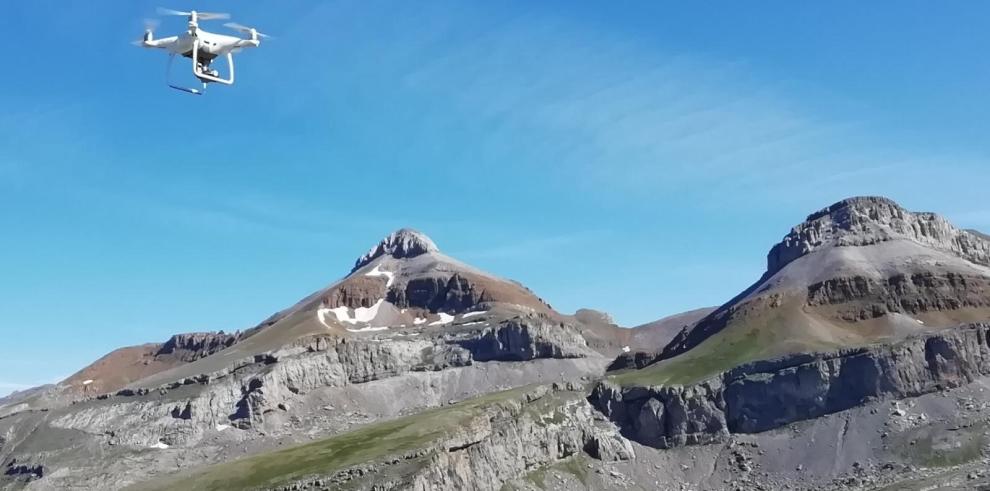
x=123, y=366
x=860, y=360
x=608, y=338
x=860, y=271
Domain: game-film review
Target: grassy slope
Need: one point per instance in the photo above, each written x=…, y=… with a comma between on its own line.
x=766, y=334
x=323, y=457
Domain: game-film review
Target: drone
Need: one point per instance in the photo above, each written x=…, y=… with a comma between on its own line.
x=201, y=47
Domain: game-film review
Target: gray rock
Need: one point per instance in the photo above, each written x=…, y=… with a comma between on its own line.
x=768, y=394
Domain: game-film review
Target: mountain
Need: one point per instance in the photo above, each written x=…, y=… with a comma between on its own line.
x=606, y=337
x=860, y=271
x=662, y=331
x=851, y=364
x=406, y=330
x=403, y=287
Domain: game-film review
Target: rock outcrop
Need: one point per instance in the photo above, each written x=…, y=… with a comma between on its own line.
x=195, y=345
x=861, y=298
x=521, y=339
x=501, y=442
x=246, y=391
x=403, y=243
x=763, y=395
x=845, y=276
x=869, y=220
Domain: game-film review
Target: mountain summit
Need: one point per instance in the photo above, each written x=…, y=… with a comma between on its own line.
x=402, y=243
x=402, y=287
x=860, y=271
x=863, y=221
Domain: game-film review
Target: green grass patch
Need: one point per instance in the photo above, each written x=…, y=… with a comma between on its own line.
x=718, y=353
x=366, y=444
x=772, y=332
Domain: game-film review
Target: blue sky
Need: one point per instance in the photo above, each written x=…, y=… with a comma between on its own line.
x=635, y=157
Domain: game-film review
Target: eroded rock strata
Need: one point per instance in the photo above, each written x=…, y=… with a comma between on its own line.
x=767, y=394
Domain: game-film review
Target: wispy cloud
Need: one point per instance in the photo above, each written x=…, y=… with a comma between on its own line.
x=527, y=247
x=592, y=107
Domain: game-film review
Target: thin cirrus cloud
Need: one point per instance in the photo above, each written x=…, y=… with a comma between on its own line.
x=618, y=118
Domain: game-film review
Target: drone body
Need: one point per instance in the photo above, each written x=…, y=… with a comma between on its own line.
x=202, y=47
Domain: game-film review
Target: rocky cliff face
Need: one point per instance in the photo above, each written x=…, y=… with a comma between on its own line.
x=247, y=391
x=870, y=220
x=500, y=442
x=859, y=271
x=192, y=346
x=401, y=244
x=862, y=298
x=523, y=338
x=768, y=394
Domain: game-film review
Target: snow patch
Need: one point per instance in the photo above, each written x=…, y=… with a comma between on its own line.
x=87, y=382
x=419, y=320
x=377, y=271
x=625, y=349
x=361, y=314
x=470, y=314
x=444, y=319
x=472, y=323
x=920, y=321
x=368, y=329
x=222, y=427
x=160, y=445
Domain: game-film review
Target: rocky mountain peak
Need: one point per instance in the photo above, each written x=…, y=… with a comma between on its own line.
x=402, y=243
x=866, y=220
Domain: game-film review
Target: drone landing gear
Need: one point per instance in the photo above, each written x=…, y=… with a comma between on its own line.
x=202, y=71
x=168, y=80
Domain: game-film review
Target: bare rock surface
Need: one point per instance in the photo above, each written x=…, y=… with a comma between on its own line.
x=768, y=394
x=861, y=271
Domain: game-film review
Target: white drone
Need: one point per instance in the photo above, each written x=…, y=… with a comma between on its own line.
x=201, y=47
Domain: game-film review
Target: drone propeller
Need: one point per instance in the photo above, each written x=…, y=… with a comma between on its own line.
x=246, y=30
x=199, y=15
x=149, y=26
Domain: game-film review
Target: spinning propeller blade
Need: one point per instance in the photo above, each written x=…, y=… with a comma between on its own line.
x=246, y=30
x=165, y=11
x=199, y=15
x=149, y=26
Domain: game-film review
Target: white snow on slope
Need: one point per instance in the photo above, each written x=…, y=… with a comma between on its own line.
x=378, y=272
x=160, y=445
x=625, y=349
x=87, y=382
x=419, y=320
x=361, y=314
x=472, y=323
x=444, y=319
x=222, y=427
x=368, y=329
x=470, y=314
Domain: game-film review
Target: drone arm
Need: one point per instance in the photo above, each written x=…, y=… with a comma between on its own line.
x=163, y=43
x=247, y=43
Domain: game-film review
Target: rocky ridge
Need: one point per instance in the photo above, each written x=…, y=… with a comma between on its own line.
x=501, y=442
x=767, y=394
x=870, y=220
x=860, y=271
x=401, y=244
